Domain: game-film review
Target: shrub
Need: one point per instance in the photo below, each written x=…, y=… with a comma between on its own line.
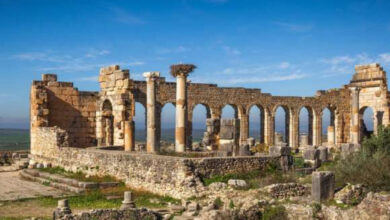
x=275, y=213
x=370, y=166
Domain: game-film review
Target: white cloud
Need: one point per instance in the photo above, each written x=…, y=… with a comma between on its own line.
x=384, y=58
x=284, y=65
x=231, y=51
x=293, y=27
x=293, y=76
x=345, y=64
x=84, y=66
x=66, y=63
x=95, y=53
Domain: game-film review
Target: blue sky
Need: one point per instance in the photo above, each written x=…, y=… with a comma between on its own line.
x=282, y=47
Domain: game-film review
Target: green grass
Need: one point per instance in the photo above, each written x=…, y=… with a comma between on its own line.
x=257, y=178
x=97, y=199
x=78, y=175
x=275, y=213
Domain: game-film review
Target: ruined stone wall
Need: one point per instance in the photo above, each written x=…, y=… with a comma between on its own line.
x=60, y=104
x=242, y=99
x=165, y=175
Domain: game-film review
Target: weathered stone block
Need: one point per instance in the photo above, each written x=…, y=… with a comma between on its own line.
x=323, y=154
x=279, y=150
x=238, y=184
x=322, y=185
x=49, y=77
x=311, y=153
x=348, y=148
x=251, y=141
x=244, y=150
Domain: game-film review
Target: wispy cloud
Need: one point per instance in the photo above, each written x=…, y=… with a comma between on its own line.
x=345, y=64
x=293, y=76
x=284, y=65
x=125, y=17
x=96, y=53
x=282, y=71
x=43, y=56
x=51, y=61
x=294, y=27
x=78, y=67
x=231, y=51
x=179, y=49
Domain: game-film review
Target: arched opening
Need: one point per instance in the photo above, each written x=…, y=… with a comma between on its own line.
x=140, y=123
x=281, y=122
x=107, y=123
x=305, y=126
x=256, y=123
x=229, y=111
x=168, y=114
x=328, y=131
x=366, y=121
x=199, y=115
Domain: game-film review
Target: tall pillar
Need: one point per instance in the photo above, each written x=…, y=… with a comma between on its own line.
x=354, y=132
x=244, y=127
x=129, y=136
x=152, y=145
x=181, y=71
x=294, y=131
x=317, y=136
x=269, y=130
x=331, y=136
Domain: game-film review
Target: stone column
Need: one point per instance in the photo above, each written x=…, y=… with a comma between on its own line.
x=244, y=127
x=294, y=131
x=354, y=131
x=129, y=136
x=317, y=136
x=152, y=145
x=181, y=71
x=268, y=128
x=331, y=136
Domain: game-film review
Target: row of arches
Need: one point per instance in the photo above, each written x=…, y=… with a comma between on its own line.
x=256, y=121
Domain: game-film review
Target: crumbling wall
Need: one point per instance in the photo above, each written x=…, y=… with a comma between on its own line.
x=165, y=175
x=60, y=104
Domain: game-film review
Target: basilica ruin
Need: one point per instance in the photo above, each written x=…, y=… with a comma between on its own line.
x=71, y=128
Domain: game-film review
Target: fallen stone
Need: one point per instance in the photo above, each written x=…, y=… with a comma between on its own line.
x=237, y=184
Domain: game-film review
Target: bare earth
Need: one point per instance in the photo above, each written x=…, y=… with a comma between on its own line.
x=13, y=188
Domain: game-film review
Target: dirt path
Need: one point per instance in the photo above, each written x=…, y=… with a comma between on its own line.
x=13, y=188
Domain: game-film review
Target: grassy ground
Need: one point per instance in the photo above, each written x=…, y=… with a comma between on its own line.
x=258, y=178
x=78, y=175
x=98, y=199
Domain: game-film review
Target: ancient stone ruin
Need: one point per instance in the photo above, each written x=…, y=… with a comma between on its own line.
x=71, y=127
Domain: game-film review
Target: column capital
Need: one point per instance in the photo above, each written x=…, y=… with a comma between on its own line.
x=151, y=75
x=182, y=69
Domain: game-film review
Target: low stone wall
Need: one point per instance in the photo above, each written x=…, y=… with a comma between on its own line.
x=216, y=166
x=286, y=190
x=105, y=214
x=165, y=175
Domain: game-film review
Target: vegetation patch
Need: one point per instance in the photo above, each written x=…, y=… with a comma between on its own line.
x=78, y=175
x=370, y=166
x=275, y=213
x=258, y=178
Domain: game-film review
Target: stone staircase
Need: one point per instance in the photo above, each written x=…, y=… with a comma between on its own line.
x=61, y=182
